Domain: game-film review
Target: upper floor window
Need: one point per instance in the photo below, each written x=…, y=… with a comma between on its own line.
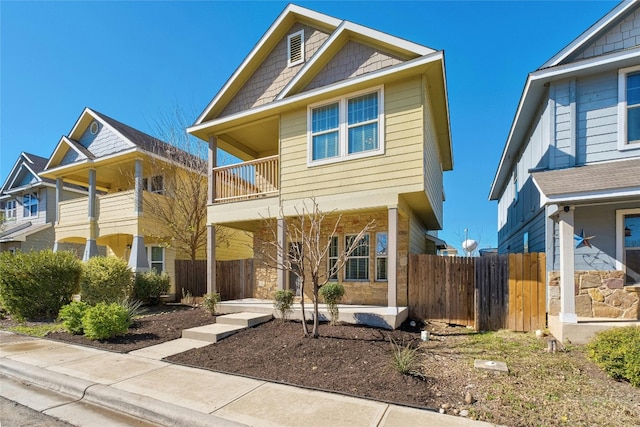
x=629, y=108
x=10, y=210
x=295, y=48
x=154, y=184
x=345, y=128
x=30, y=204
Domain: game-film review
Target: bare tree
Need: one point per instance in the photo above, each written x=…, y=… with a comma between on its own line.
x=177, y=169
x=462, y=234
x=313, y=231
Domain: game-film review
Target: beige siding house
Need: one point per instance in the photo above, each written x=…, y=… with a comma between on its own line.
x=353, y=118
x=123, y=171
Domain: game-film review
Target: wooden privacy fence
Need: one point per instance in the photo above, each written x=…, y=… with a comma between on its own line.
x=234, y=279
x=488, y=293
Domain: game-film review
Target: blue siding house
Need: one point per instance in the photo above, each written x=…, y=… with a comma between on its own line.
x=568, y=182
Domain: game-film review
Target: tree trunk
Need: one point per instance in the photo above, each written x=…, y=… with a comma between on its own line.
x=316, y=334
x=305, y=329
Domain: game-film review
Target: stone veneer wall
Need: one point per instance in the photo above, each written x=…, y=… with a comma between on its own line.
x=598, y=294
x=369, y=292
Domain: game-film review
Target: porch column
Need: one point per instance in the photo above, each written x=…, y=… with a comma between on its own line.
x=213, y=162
x=567, y=264
x=392, y=258
x=211, y=259
x=91, y=247
x=138, y=190
x=59, y=189
x=281, y=274
x=138, y=260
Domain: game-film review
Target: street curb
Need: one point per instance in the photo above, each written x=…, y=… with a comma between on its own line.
x=133, y=404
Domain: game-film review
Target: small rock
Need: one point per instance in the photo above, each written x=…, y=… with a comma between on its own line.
x=441, y=411
x=446, y=405
x=464, y=413
x=438, y=394
x=455, y=411
x=469, y=398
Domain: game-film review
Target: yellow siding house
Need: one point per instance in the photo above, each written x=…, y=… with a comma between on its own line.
x=354, y=118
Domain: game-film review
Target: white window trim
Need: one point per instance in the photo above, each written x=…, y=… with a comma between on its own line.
x=302, y=52
x=377, y=257
x=31, y=202
x=164, y=256
x=622, y=109
x=336, y=258
x=14, y=210
x=343, y=143
x=368, y=257
x=620, y=214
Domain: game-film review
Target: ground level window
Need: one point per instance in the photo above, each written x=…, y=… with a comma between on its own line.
x=155, y=255
x=333, y=257
x=357, y=266
x=381, y=256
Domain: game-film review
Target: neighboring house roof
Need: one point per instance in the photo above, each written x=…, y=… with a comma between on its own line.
x=32, y=163
x=564, y=64
x=21, y=232
x=299, y=88
x=600, y=180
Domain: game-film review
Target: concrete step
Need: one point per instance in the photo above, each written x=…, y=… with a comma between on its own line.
x=211, y=333
x=248, y=320
x=169, y=348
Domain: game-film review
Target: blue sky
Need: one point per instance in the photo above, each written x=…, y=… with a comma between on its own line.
x=135, y=61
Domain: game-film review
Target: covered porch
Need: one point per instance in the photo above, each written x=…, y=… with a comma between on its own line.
x=369, y=315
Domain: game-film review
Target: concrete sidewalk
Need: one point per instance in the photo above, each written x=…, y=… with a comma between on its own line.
x=165, y=394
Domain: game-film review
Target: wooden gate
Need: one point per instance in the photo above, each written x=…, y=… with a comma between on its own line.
x=234, y=279
x=489, y=292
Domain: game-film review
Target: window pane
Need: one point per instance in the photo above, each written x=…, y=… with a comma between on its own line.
x=632, y=231
x=633, y=89
x=357, y=269
x=381, y=269
x=325, y=146
x=362, y=249
x=363, y=108
x=157, y=254
x=333, y=256
x=324, y=118
x=633, y=124
x=381, y=244
x=157, y=184
x=363, y=138
x=157, y=267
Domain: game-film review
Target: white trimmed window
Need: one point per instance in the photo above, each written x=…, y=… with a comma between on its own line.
x=154, y=184
x=381, y=256
x=295, y=48
x=333, y=257
x=629, y=108
x=357, y=266
x=346, y=128
x=155, y=256
x=628, y=244
x=30, y=205
x=10, y=210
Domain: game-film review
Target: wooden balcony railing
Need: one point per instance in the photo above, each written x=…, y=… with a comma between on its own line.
x=248, y=180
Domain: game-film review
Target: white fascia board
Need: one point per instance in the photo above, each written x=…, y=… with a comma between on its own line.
x=77, y=123
x=69, y=144
x=535, y=82
x=290, y=9
x=594, y=196
x=11, y=173
x=436, y=56
x=592, y=31
x=94, y=161
x=347, y=26
x=55, y=150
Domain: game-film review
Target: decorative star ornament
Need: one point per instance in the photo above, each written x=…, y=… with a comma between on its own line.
x=582, y=240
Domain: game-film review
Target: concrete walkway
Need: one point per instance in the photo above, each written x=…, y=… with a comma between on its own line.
x=160, y=393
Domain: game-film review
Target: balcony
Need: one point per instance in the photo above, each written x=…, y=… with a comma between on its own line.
x=248, y=180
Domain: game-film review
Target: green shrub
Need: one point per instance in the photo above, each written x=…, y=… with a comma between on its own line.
x=210, y=301
x=149, y=285
x=105, y=279
x=71, y=316
x=331, y=294
x=403, y=357
x=283, y=302
x=105, y=321
x=617, y=351
x=35, y=285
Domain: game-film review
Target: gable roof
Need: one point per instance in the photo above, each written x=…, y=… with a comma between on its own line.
x=339, y=29
x=555, y=69
x=34, y=164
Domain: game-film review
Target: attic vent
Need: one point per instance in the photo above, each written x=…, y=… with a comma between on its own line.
x=295, y=48
x=94, y=128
